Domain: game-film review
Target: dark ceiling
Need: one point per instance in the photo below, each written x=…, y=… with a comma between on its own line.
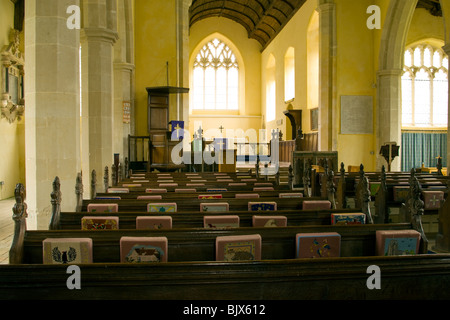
x=264, y=19
x=433, y=6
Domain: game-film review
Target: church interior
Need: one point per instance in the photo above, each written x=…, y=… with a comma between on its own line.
x=136, y=88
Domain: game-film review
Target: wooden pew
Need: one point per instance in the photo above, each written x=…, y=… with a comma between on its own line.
x=192, y=219
x=193, y=204
x=192, y=273
x=127, y=220
x=292, y=279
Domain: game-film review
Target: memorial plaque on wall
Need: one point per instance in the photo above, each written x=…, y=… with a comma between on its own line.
x=126, y=112
x=356, y=114
x=314, y=119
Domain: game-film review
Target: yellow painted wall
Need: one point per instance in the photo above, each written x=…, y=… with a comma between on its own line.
x=248, y=54
x=294, y=34
x=155, y=44
x=313, y=61
x=425, y=26
x=355, y=76
x=357, y=55
x=357, y=63
x=12, y=146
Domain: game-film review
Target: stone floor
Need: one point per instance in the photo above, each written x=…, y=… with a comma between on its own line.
x=6, y=229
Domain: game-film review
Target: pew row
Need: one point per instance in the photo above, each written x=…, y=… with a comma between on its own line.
x=127, y=220
x=421, y=277
x=193, y=204
x=191, y=272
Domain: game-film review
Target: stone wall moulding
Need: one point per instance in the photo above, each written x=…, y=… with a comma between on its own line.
x=12, y=103
x=99, y=34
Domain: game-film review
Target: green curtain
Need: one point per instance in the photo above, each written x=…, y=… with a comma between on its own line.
x=423, y=147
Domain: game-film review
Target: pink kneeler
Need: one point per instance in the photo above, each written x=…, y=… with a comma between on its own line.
x=318, y=245
x=397, y=242
x=238, y=248
x=99, y=223
x=154, y=222
x=67, y=250
x=214, y=207
x=152, y=197
x=246, y=195
x=143, y=249
x=316, y=205
x=221, y=221
x=269, y=221
x=432, y=199
x=103, y=207
x=118, y=190
x=158, y=190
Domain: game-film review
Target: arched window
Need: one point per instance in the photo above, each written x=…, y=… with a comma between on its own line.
x=289, y=74
x=216, y=77
x=424, y=107
x=270, y=89
x=424, y=87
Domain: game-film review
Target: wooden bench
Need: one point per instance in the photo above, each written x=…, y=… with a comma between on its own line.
x=193, y=204
x=192, y=272
x=127, y=220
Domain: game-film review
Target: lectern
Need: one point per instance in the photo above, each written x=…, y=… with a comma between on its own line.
x=389, y=151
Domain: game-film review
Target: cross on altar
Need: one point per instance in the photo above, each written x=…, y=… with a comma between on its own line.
x=221, y=128
x=177, y=128
x=220, y=143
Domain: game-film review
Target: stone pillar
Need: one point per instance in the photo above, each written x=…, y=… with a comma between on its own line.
x=391, y=52
x=389, y=113
x=123, y=77
x=183, y=59
x=52, y=113
x=98, y=35
x=446, y=48
x=327, y=76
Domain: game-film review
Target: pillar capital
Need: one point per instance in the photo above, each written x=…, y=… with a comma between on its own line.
x=125, y=66
x=446, y=48
x=390, y=73
x=99, y=34
x=324, y=5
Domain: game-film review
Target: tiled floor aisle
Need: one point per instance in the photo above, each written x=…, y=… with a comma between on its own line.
x=6, y=228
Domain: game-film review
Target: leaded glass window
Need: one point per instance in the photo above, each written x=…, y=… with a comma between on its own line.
x=425, y=87
x=216, y=77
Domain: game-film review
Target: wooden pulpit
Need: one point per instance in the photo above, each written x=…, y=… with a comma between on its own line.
x=161, y=144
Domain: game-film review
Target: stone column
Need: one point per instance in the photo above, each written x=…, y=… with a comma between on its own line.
x=52, y=113
x=123, y=77
x=446, y=48
x=183, y=58
x=98, y=35
x=327, y=76
x=389, y=113
x=392, y=48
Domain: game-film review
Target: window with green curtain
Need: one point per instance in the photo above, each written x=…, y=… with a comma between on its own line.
x=424, y=106
x=423, y=148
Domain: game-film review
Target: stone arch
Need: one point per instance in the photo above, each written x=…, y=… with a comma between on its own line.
x=393, y=41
